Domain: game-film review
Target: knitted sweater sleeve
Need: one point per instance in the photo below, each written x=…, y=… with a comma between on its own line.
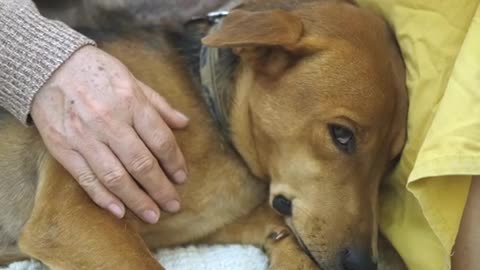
x=31, y=49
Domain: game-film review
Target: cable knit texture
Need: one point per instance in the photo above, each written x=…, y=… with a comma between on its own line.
x=31, y=49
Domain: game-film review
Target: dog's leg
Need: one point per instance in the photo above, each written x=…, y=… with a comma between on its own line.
x=266, y=229
x=67, y=231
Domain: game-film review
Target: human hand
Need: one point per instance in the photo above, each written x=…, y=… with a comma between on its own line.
x=105, y=127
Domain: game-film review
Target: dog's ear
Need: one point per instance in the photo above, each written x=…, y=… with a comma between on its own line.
x=269, y=40
x=253, y=29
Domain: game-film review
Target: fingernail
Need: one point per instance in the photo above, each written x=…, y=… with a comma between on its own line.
x=150, y=216
x=116, y=210
x=182, y=116
x=180, y=177
x=172, y=206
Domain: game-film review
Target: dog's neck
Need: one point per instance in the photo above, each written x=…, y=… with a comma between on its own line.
x=222, y=81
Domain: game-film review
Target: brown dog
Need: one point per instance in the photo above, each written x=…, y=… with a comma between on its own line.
x=315, y=111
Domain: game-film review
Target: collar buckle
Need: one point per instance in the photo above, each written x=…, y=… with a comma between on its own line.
x=211, y=17
x=215, y=16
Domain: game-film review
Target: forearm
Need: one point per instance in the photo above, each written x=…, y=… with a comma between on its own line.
x=31, y=49
x=465, y=255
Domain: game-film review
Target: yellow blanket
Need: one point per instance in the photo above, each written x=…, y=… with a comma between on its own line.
x=422, y=202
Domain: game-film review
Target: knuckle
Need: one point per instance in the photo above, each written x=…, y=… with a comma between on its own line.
x=125, y=87
x=127, y=96
x=87, y=179
x=140, y=203
x=142, y=165
x=97, y=106
x=102, y=116
x=165, y=143
x=163, y=195
x=149, y=113
x=113, y=178
x=161, y=100
x=76, y=129
x=124, y=80
x=99, y=112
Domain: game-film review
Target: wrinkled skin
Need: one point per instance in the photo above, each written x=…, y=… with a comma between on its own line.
x=107, y=129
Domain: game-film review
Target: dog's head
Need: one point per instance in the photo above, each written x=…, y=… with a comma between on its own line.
x=320, y=111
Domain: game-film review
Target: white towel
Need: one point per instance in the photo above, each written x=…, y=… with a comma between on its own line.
x=232, y=257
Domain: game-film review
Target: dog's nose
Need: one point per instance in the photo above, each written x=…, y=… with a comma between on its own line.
x=353, y=259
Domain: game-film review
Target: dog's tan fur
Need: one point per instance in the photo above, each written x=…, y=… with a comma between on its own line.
x=301, y=69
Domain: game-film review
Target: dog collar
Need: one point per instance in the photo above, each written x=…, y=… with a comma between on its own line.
x=216, y=16
x=216, y=69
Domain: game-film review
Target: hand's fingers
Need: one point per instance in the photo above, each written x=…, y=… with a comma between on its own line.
x=116, y=179
x=161, y=141
x=143, y=166
x=79, y=169
x=172, y=117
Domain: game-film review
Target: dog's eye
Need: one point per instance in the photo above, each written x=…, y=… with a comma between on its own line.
x=282, y=205
x=343, y=138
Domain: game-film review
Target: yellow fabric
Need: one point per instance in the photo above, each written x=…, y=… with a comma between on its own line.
x=422, y=202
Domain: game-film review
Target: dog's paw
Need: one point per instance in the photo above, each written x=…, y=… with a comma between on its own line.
x=286, y=254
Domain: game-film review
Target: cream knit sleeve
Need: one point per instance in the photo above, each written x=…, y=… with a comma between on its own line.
x=31, y=49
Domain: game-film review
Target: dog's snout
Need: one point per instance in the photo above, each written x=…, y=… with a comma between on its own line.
x=353, y=259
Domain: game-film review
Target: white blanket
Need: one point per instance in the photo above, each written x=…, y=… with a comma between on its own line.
x=233, y=257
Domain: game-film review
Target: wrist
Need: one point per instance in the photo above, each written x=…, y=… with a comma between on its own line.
x=35, y=47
